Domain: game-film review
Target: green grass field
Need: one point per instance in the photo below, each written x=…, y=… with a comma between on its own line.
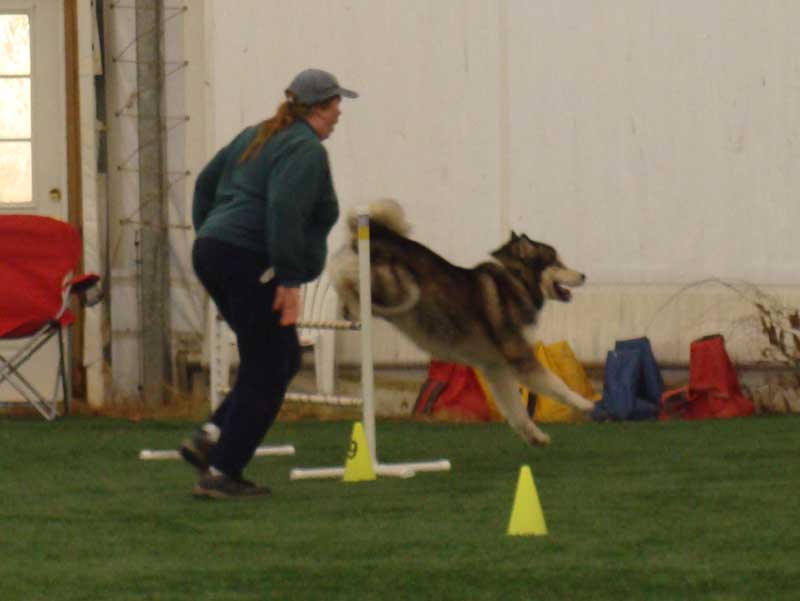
x=668, y=511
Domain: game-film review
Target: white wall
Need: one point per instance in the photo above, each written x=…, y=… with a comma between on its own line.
x=91, y=193
x=673, y=126
x=654, y=143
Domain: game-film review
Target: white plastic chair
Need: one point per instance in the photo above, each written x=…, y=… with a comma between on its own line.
x=320, y=303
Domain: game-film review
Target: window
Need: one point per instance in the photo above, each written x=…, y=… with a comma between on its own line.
x=16, y=179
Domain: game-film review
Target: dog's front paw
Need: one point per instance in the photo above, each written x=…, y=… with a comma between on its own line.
x=529, y=432
x=535, y=437
x=581, y=404
x=540, y=440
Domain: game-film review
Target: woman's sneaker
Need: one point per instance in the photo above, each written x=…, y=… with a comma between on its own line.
x=222, y=486
x=196, y=450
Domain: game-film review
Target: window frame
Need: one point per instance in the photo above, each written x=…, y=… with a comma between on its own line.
x=25, y=205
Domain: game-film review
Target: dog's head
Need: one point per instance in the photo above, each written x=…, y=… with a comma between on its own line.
x=538, y=266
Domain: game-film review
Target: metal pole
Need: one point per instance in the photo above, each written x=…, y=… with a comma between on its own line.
x=156, y=352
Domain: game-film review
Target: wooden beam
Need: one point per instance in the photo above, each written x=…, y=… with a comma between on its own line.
x=74, y=181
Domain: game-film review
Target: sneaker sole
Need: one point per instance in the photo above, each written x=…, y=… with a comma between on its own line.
x=204, y=493
x=210, y=493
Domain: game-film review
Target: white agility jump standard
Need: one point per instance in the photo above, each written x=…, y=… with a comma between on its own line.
x=400, y=470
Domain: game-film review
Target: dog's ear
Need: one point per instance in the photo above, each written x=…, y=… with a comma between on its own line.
x=514, y=236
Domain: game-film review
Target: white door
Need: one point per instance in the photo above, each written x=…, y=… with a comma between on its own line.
x=33, y=155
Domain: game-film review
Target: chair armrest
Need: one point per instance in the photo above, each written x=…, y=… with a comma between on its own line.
x=82, y=282
x=88, y=289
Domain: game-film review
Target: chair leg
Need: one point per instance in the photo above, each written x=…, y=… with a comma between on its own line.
x=325, y=363
x=65, y=376
x=11, y=374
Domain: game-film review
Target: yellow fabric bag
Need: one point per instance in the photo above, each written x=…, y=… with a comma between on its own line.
x=559, y=358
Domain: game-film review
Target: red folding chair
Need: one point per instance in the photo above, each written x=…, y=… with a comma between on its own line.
x=38, y=259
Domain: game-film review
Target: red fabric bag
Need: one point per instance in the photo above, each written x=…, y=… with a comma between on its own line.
x=452, y=390
x=713, y=390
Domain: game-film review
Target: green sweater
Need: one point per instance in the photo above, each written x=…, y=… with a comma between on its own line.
x=280, y=203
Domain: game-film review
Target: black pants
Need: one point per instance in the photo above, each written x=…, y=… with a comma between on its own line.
x=269, y=354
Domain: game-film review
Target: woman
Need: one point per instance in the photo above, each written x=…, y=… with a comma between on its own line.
x=262, y=210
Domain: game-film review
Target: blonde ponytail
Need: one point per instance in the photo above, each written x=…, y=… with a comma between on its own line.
x=288, y=112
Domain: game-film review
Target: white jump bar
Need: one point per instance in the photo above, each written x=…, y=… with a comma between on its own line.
x=331, y=324
x=331, y=399
x=264, y=451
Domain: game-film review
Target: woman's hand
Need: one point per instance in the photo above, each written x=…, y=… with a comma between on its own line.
x=287, y=303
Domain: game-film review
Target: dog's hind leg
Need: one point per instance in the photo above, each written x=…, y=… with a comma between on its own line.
x=540, y=380
x=503, y=383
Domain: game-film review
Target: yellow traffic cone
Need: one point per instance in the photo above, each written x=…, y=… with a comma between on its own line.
x=526, y=515
x=358, y=467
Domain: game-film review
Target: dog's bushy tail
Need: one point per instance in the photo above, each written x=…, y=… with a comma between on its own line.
x=385, y=211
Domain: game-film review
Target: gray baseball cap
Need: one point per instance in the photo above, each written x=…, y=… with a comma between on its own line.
x=315, y=85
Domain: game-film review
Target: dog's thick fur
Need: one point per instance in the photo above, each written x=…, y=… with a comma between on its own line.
x=484, y=316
